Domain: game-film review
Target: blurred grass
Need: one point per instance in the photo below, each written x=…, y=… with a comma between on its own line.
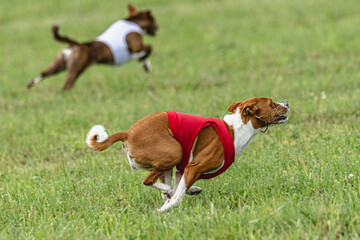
x=291, y=183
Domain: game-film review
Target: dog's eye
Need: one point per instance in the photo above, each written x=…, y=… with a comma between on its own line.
x=274, y=104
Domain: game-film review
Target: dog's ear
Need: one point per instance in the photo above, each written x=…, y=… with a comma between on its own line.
x=233, y=107
x=132, y=10
x=249, y=108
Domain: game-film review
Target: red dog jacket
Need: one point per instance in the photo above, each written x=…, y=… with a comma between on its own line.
x=186, y=127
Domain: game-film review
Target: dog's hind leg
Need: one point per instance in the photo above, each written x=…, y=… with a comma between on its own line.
x=167, y=179
x=194, y=190
x=76, y=64
x=58, y=65
x=151, y=180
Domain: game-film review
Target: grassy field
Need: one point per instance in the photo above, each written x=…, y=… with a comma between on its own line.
x=293, y=182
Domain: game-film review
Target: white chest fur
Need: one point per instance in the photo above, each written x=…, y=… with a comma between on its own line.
x=244, y=133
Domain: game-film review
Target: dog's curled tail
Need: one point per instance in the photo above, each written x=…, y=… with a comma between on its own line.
x=55, y=30
x=98, y=140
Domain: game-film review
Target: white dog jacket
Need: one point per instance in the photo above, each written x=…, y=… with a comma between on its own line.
x=115, y=38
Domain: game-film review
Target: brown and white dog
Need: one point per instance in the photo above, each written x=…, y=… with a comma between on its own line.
x=150, y=145
x=119, y=44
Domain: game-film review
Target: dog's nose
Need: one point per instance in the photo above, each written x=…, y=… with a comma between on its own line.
x=287, y=105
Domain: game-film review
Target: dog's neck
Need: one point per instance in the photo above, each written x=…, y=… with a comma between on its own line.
x=139, y=21
x=243, y=133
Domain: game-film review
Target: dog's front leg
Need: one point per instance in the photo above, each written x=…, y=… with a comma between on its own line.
x=147, y=65
x=143, y=57
x=176, y=199
x=58, y=65
x=191, y=174
x=138, y=50
x=193, y=190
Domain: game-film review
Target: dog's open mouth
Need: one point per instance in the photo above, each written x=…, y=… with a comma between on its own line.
x=280, y=118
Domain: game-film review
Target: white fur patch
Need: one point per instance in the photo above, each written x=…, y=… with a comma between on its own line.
x=138, y=55
x=98, y=131
x=177, y=180
x=67, y=52
x=163, y=187
x=191, y=157
x=37, y=79
x=194, y=190
x=147, y=64
x=244, y=133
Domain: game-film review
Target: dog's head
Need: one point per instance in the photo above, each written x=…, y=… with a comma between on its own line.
x=144, y=19
x=261, y=111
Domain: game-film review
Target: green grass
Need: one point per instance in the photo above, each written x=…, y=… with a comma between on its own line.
x=291, y=183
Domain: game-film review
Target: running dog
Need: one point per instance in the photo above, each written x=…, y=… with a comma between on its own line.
x=120, y=43
x=199, y=147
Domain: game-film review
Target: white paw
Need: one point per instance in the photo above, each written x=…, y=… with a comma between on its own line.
x=167, y=205
x=194, y=190
x=34, y=81
x=159, y=210
x=147, y=65
x=164, y=209
x=138, y=55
